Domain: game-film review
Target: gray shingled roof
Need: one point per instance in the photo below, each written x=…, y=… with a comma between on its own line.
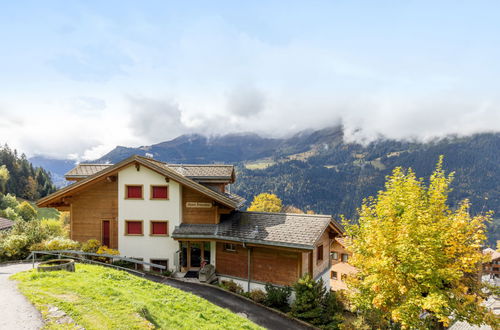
x=5, y=223
x=84, y=170
x=279, y=229
x=204, y=171
x=216, y=171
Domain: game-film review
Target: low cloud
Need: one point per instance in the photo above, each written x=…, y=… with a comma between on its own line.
x=245, y=101
x=155, y=120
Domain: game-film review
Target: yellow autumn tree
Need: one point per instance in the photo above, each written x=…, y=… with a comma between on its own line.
x=418, y=259
x=266, y=203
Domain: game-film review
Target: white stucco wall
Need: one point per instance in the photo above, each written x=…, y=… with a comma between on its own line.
x=146, y=246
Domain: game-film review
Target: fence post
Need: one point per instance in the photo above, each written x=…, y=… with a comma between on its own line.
x=33, y=256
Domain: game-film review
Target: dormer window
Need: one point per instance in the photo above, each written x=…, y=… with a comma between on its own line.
x=133, y=192
x=159, y=192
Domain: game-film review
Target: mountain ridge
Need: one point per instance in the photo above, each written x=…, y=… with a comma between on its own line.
x=318, y=170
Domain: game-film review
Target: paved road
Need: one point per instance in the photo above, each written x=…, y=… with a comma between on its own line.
x=16, y=311
x=257, y=314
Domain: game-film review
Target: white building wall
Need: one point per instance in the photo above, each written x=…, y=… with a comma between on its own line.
x=146, y=246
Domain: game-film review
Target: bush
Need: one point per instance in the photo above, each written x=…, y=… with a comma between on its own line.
x=258, y=296
x=277, y=297
x=56, y=243
x=26, y=211
x=10, y=213
x=308, y=300
x=232, y=286
x=14, y=246
x=315, y=304
x=91, y=246
x=8, y=201
x=124, y=264
x=103, y=249
x=54, y=227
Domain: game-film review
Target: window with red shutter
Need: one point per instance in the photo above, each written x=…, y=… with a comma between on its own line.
x=159, y=192
x=133, y=227
x=159, y=228
x=134, y=192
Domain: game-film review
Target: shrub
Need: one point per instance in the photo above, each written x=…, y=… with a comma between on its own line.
x=277, y=297
x=91, y=246
x=103, y=249
x=26, y=211
x=308, y=300
x=124, y=264
x=54, y=227
x=56, y=243
x=332, y=309
x=232, y=286
x=315, y=304
x=258, y=296
x=8, y=201
x=14, y=246
x=10, y=213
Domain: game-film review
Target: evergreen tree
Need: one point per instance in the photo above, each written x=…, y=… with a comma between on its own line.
x=25, y=181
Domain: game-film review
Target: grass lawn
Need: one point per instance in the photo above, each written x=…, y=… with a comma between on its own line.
x=103, y=298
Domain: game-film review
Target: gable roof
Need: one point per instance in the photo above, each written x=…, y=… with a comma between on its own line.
x=216, y=171
x=5, y=223
x=192, y=171
x=152, y=164
x=85, y=170
x=291, y=230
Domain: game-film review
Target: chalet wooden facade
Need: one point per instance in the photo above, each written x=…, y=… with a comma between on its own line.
x=182, y=216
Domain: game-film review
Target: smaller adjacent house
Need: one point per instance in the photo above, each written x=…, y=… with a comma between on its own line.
x=340, y=268
x=6, y=224
x=492, y=268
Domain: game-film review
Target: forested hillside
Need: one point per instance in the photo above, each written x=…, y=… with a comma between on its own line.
x=25, y=180
x=322, y=172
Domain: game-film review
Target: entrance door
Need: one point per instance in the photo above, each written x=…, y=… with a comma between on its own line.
x=195, y=254
x=105, y=239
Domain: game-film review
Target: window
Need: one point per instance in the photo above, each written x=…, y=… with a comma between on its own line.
x=159, y=192
x=343, y=277
x=159, y=228
x=345, y=257
x=334, y=256
x=333, y=275
x=133, y=227
x=162, y=262
x=133, y=192
x=320, y=253
x=229, y=247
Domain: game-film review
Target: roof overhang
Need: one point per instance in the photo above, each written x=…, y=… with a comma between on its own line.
x=245, y=241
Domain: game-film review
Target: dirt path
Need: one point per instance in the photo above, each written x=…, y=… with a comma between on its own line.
x=17, y=312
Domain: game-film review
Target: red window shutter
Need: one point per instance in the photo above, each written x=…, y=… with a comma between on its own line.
x=134, y=191
x=134, y=227
x=160, y=192
x=159, y=228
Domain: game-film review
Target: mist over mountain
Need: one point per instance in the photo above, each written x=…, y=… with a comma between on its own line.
x=318, y=170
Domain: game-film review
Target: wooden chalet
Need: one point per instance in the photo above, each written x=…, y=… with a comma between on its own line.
x=184, y=217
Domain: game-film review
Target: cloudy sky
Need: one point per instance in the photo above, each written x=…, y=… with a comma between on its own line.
x=79, y=77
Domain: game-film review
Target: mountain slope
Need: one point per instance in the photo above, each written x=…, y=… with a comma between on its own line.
x=320, y=171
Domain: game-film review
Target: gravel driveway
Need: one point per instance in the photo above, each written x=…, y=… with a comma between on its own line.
x=17, y=312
